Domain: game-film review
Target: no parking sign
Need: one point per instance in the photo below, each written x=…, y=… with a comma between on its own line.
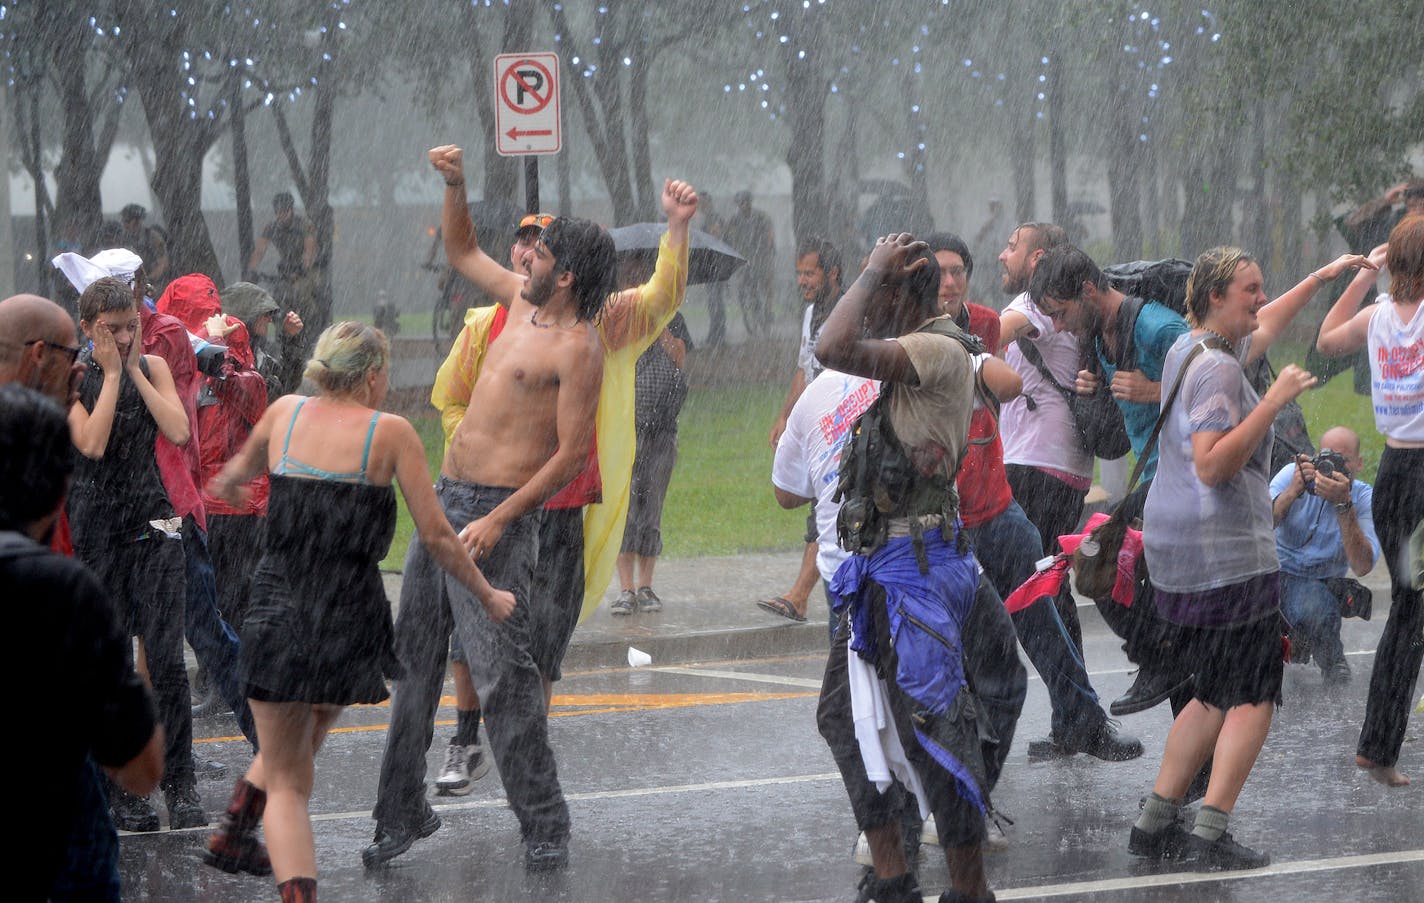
x=526, y=101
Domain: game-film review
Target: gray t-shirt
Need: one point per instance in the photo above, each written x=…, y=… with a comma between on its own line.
x=1198, y=537
x=932, y=418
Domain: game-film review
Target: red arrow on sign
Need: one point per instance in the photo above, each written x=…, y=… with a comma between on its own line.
x=516, y=134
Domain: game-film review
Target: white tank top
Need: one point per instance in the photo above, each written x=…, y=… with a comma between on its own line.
x=1397, y=371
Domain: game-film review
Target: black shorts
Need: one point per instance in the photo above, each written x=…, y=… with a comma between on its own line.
x=1238, y=665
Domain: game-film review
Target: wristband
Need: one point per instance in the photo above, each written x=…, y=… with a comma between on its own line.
x=1342, y=507
x=1323, y=280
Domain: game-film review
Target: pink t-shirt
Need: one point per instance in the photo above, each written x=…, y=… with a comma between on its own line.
x=1043, y=436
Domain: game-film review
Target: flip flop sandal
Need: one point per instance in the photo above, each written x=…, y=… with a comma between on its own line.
x=779, y=606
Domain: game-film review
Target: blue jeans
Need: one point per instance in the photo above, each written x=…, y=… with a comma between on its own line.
x=1008, y=547
x=1314, y=614
x=214, y=642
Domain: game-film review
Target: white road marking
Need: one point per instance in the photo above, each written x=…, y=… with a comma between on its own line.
x=1280, y=869
x=809, y=683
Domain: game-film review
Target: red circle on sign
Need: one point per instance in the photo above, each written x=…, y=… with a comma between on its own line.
x=511, y=75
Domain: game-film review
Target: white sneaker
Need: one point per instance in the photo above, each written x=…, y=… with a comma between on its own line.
x=862, y=851
x=929, y=835
x=463, y=766
x=995, y=840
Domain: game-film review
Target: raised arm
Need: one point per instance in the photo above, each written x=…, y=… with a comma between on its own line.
x=843, y=344
x=161, y=398
x=413, y=476
x=462, y=245
x=1345, y=328
x=1219, y=455
x=637, y=316
x=89, y=429
x=1273, y=319
x=580, y=378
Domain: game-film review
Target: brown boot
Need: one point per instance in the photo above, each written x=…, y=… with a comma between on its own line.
x=298, y=890
x=234, y=846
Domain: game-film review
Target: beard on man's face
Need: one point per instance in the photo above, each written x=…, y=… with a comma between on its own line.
x=537, y=291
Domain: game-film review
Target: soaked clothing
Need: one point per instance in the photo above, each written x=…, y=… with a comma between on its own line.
x=1242, y=663
x=125, y=532
x=318, y=628
x=114, y=498
x=432, y=604
x=76, y=661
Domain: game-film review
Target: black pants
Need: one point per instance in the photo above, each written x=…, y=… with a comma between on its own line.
x=145, y=580
x=1055, y=508
x=995, y=676
x=556, y=596
x=235, y=542
x=1398, y=509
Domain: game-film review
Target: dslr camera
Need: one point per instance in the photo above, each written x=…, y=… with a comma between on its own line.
x=1328, y=462
x=211, y=359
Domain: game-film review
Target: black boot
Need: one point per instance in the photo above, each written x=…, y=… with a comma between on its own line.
x=900, y=889
x=1152, y=687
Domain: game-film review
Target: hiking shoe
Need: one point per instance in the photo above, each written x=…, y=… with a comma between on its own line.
x=463, y=766
x=625, y=604
x=207, y=769
x=900, y=889
x=1223, y=853
x=546, y=855
x=133, y=813
x=1336, y=674
x=1050, y=747
x=391, y=842
x=1168, y=843
x=1151, y=687
x=1104, y=742
x=648, y=600
x=185, y=809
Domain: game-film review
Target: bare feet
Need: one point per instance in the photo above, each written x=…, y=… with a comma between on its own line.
x=1387, y=775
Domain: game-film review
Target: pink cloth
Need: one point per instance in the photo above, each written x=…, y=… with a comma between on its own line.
x=1049, y=581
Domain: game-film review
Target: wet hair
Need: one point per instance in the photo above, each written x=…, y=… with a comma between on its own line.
x=922, y=285
x=344, y=354
x=1413, y=190
x=1061, y=272
x=1213, y=271
x=828, y=256
x=36, y=456
x=283, y=200
x=1405, y=259
x=1043, y=236
x=583, y=249
x=104, y=295
x=948, y=241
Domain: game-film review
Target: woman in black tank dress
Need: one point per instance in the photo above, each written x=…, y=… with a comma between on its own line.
x=318, y=634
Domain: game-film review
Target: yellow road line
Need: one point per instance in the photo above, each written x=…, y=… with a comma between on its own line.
x=587, y=704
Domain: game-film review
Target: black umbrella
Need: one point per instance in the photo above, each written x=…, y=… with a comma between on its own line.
x=710, y=259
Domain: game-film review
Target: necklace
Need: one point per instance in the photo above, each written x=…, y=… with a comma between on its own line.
x=1225, y=341
x=534, y=322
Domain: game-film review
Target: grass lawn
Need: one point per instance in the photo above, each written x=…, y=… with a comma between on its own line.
x=720, y=500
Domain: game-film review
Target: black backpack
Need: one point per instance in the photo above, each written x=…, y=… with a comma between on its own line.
x=1163, y=281
x=877, y=479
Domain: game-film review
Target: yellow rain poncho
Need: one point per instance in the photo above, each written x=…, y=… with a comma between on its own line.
x=631, y=321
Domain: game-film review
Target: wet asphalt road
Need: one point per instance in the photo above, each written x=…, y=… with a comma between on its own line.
x=709, y=782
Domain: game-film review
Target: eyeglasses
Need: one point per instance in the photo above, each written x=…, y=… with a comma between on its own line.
x=71, y=351
x=536, y=219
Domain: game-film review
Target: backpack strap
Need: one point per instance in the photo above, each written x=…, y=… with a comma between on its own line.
x=1127, y=313
x=1210, y=340
x=1033, y=356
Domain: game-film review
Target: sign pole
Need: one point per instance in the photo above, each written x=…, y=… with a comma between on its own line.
x=531, y=184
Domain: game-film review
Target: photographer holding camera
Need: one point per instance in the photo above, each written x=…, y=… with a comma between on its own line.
x=1324, y=522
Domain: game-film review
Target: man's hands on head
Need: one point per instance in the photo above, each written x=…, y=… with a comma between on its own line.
x=448, y=160
x=896, y=256
x=679, y=201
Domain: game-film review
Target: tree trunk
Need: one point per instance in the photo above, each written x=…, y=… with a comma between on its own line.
x=645, y=191
x=179, y=142
x=1057, y=143
x=807, y=86
x=1021, y=160
x=7, y=223
x=78, y=205
x=1126, y=151
x=241, y=177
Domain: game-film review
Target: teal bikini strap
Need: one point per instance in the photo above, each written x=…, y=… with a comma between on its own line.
x=366, y=452
x=286, y=443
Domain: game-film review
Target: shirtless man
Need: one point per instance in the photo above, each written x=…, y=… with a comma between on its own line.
x=536, y=398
